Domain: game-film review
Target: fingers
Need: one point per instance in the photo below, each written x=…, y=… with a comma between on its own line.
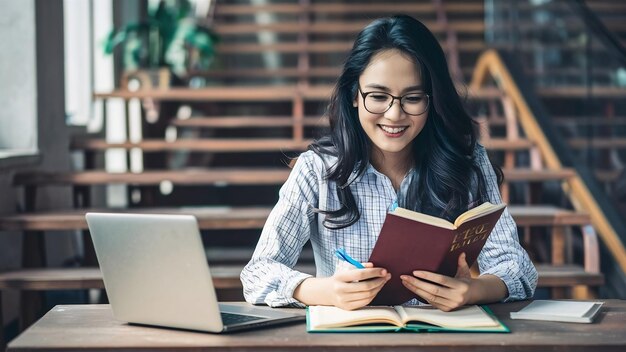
x=439, y=279
x=436, y=301
x=352, y=295
x=443, y=292
x=361, y=274
x=463, y=270
x=363, y=286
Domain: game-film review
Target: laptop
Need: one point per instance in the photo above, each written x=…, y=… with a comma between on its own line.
x=155, y=272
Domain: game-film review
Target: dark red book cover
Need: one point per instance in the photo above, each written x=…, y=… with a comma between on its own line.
x=405, y=245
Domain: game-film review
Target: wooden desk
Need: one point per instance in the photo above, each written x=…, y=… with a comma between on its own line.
x=91, y=327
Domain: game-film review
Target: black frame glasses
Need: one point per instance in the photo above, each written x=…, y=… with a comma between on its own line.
x=393, y=99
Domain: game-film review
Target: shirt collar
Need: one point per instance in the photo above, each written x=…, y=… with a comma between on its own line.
x=370, y=169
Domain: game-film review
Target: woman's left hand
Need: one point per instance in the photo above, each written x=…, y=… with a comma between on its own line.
x=444, y=292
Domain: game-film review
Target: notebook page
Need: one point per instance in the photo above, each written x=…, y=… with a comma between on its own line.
x=471, y=316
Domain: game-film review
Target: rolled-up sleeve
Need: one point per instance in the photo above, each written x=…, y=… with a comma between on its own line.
x=502, y=255
x=269, y=277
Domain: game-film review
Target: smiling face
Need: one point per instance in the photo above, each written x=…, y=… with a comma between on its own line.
x=391, y=132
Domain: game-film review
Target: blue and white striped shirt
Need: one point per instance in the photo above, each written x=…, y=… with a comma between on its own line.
x=269, y=277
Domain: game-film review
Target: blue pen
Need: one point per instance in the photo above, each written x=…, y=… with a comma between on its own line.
x=341, y=254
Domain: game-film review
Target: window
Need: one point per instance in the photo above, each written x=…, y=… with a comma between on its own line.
x=18, y=86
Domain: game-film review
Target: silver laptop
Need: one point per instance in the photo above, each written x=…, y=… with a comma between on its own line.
x=155, y=272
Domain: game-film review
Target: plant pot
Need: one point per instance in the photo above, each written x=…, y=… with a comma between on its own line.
x=152, y=78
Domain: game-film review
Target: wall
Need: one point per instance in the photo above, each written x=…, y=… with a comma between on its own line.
x=46, y=22
x=18, y=96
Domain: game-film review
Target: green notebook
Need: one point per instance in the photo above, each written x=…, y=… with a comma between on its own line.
x=402, y=318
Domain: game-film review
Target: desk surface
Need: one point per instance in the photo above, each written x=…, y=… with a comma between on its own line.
x=90, y=327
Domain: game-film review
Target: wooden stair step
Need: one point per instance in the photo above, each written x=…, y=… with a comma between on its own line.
x=506, y=144
x=547, y=215
x=608, y=175
x=378, y=8
x=615, y=25
x=247, y=145
x=227, y=277
x=258, y=93
x=208, y=94
x=597, y=143
x=485, y=93
x=590, y=120
x=316, y=121
x=224, y=277
x=336, y=27
x=186, y=177
x=209, y=218
x=339, y=8
x=222, y=177
x=51, y=279
x=331, y=72
x=246, y=121
x=204, y=145
x=342, y=47
x=578, y=92
x=572, y=47
x=530, y=175
x=212, y=217
x=241, y=255
x=254, y=72
x=567, y=276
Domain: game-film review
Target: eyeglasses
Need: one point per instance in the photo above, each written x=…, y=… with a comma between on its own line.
x=379, y=102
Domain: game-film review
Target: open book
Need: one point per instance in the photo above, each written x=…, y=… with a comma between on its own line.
x=411, y=241
x=399, y=318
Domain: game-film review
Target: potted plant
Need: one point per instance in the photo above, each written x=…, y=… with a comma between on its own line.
x=169, y=40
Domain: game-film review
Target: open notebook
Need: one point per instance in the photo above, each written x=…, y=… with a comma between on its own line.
x=402, y=318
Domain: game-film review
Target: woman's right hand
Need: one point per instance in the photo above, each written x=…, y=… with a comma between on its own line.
x=347, y=289
x=355, y=288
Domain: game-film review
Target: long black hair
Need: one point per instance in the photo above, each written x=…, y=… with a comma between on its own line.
x=443, y=151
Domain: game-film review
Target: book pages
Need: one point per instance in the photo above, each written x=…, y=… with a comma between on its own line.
x=471, y=316
x=331, y=317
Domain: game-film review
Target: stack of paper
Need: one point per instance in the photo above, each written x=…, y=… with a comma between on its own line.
x=565, y=311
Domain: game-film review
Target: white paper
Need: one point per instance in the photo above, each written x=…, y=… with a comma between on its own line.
x=565, y=311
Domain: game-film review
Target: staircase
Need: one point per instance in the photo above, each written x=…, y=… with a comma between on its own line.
x=575, y=58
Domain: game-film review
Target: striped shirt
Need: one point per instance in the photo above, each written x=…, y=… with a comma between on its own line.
x=269, y=277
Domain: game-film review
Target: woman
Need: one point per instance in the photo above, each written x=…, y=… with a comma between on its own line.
x=399, y=134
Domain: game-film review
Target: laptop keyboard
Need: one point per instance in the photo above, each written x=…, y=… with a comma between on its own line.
x=231, y=319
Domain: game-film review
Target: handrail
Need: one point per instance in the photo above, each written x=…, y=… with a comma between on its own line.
x=585, y=194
